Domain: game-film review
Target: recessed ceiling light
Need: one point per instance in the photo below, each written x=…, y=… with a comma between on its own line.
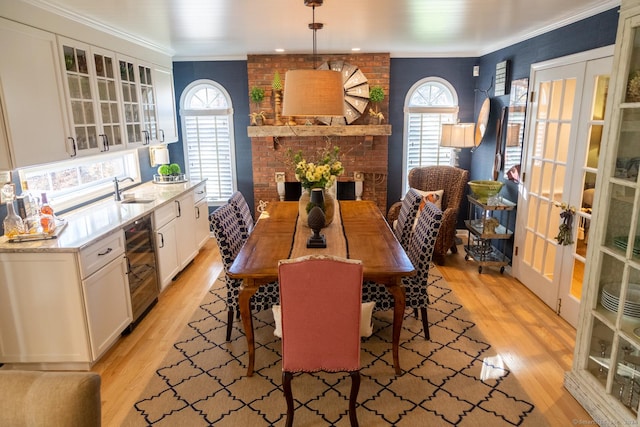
x=279, y=50
x=355, y=49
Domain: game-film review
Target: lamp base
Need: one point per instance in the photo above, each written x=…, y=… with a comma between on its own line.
x=317, y=240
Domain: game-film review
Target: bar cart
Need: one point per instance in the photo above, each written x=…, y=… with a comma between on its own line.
x=488, y=221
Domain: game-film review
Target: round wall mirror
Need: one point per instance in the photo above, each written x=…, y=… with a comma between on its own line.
x=483, y=118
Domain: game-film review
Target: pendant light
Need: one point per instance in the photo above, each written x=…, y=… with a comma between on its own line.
x=313, y=93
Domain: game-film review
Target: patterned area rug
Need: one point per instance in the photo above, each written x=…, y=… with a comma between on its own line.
x=454, y=379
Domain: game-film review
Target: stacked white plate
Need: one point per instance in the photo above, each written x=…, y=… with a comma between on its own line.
x=621, y=243
x=610, y=298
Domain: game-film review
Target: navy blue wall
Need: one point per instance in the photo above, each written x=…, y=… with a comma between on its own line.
x=232, y=75
x=404, y=73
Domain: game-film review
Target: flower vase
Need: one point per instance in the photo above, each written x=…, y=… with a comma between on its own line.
x=329, y=206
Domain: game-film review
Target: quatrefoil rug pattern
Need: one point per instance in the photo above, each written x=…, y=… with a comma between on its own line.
x=454, y=379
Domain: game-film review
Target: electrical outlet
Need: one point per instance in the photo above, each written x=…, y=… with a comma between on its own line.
x=7, y=193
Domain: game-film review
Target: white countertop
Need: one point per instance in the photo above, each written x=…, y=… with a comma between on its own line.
x=97, y=220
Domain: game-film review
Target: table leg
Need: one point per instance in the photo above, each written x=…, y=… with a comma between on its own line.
x=398, y=293
x=247, y=290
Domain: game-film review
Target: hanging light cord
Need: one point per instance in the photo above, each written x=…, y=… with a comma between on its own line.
x=314, y=35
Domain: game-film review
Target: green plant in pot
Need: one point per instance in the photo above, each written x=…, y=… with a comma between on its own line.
x=257, y=96
x=376, y=96
x=171, y=172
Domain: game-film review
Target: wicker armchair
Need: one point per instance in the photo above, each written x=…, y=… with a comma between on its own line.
x=453, y=181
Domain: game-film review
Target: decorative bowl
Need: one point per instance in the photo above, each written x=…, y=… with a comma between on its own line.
x=483, y=190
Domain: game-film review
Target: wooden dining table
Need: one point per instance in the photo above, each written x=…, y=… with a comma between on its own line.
x=358, y=231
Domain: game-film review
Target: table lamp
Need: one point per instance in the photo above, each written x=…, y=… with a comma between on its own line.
x=457, y=136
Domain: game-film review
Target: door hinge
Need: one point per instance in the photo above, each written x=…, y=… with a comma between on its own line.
x=559, y=309
x=524, y=177
x=515, y=251
x=532, y=96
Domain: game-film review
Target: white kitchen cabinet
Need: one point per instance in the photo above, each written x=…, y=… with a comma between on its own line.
x=108, y=305
x=202, y=215
x=139, y=100
x=92, y=97
x=165, y=96
x=62, y=310
x=32, y=97
x=166, y=245
x=42, y=317
x=186, y=224
x=175, y=228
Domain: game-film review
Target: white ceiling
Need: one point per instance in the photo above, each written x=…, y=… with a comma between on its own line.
x=231, y=29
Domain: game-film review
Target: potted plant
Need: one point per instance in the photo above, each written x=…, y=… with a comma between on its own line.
x=170, y=173
x=257, y=96
x=376, y=96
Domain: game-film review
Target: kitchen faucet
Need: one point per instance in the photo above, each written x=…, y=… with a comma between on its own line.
x=116, y=195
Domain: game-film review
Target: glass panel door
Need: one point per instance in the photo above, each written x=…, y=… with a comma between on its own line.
x=78, y=80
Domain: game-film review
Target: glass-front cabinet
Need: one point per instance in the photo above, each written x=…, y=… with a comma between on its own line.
x=605, y=377
x=92, y=97
x=139, y=99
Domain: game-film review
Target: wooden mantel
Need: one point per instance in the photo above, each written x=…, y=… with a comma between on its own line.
x=318, y=130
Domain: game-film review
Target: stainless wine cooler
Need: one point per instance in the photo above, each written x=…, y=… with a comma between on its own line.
x=141, y=259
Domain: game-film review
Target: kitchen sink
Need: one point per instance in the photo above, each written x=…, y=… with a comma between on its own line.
x=136, y=200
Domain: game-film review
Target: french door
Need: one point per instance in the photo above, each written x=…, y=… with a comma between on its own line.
x=564, y=130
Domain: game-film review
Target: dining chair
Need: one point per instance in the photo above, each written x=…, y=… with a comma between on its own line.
x=230, y=238
x=403, y=227
x=420, y=252
x=243, y=213
x=454, y=183
x=320, y=303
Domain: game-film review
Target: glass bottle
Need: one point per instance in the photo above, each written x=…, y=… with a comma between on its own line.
x=47, y=220
x=12, y=224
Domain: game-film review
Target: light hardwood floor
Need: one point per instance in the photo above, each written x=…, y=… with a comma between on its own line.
x=535, y=344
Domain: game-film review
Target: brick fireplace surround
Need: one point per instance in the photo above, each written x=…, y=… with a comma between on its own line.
x=367, y=154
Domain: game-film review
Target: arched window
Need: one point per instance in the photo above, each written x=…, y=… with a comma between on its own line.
x=429, y=103
x=207, y=129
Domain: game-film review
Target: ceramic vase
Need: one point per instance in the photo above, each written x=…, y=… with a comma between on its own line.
x=329, y=206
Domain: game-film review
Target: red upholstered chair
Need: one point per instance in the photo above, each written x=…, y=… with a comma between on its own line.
x=320, y=298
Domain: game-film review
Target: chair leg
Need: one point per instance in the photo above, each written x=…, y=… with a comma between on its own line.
x=288, y=396
x=355, y=388
x=415, y=313
x=229, y=323
x=425, y=323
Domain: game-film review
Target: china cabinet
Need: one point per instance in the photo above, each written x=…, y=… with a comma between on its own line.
x=488, y=222
x=605, y=376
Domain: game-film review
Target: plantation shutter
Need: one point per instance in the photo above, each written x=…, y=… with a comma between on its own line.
x=208, y=140
x=423, y=145
x=430, y=103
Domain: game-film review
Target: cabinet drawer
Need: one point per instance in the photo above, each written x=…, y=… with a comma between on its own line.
x=200, y=192
x=99, y=254
x=164, y=214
